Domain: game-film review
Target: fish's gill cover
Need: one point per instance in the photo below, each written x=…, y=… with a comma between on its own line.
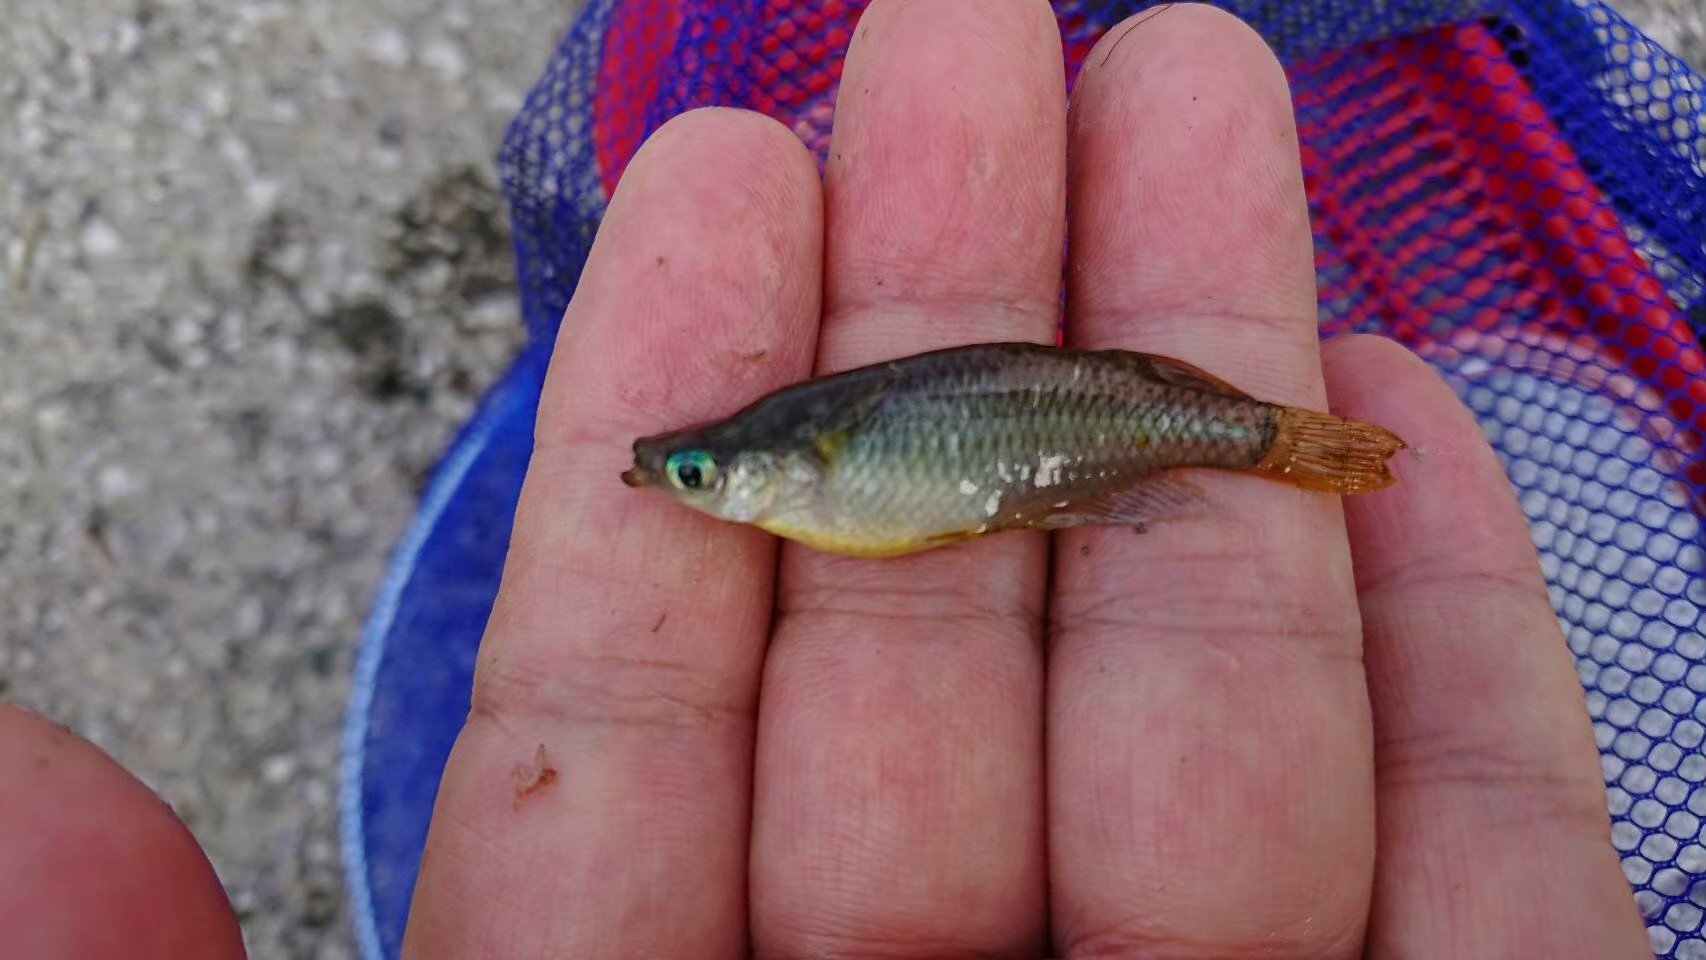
x=1516, y=190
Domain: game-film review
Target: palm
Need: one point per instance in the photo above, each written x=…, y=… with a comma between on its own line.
x=1094, y=743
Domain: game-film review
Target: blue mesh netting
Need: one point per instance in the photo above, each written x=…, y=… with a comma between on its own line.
x=1517, y=191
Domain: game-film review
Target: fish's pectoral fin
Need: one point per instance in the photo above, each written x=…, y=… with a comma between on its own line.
x=828, y=445
x=846, y=419
x=1140, y=506
x=1178, y=373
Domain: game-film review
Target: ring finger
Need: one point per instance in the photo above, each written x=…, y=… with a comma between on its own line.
x=1211, y=787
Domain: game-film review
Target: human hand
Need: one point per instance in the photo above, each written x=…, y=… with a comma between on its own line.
x=1187, y=744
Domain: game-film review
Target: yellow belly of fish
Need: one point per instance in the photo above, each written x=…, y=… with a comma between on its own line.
x=855, y=544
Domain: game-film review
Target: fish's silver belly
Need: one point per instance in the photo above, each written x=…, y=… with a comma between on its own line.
x=908, y=483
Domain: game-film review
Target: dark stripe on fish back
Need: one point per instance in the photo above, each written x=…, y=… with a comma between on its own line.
x=1107, y=413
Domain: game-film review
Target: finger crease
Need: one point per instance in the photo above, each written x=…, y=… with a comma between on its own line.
x=611, y=691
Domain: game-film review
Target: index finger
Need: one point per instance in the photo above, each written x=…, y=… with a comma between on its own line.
x=596, y=802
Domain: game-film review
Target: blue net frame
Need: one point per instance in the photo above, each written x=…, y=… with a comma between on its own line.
x=1517, y=191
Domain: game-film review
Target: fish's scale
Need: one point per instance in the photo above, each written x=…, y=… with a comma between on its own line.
x=1007, y=437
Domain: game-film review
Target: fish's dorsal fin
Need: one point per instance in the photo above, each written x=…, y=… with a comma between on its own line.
x=1178, y=373
x=1159, y=497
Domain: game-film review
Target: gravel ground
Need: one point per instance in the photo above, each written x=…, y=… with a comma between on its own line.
x=254, y=270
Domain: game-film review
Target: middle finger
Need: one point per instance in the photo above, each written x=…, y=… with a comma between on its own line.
x=898, y=802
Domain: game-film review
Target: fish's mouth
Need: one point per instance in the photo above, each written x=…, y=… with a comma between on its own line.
x=636, y=477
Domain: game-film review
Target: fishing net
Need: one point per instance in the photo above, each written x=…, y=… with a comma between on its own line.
x=1517, y=191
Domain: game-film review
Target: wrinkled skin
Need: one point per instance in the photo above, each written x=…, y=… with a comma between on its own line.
x=1191, y=743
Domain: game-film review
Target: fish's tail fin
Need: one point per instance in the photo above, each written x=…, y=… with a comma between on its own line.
x=1318, y=451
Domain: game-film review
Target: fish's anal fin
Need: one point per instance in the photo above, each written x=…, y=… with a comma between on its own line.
x=1178, y=373
x=1149, y=501
x=957, y=536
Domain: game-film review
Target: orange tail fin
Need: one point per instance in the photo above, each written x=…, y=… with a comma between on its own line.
x=1318, y=451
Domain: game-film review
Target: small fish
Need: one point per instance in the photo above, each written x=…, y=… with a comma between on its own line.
x=954, y=444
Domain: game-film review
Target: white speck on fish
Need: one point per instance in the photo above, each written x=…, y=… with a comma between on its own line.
x=968, y=488
x=1001, y=471
x=1049, y=470
x=993, y=504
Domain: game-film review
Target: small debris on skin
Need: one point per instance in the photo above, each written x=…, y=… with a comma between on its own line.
x=659, y=625
x=755, y=356
x=530, y=778
x=1418, y=453
x=1084, y=551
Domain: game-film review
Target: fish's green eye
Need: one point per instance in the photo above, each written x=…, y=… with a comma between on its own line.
x=691, y=469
